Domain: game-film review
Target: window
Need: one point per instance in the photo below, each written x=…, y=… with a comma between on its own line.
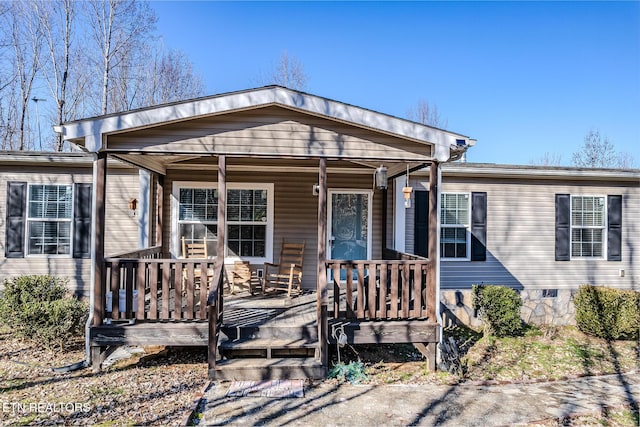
x=198, y=216
x=249, y=225
x=587, y=226
x=247, y=222
x=454, y=222
x=49, y=215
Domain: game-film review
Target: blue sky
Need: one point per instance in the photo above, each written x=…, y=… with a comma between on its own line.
x=523, y=78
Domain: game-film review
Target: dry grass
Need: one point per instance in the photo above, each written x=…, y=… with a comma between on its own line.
x=539, y=355
x=151, y=391
x=159, y=390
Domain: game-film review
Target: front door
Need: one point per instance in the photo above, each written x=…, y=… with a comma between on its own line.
x=349, y=222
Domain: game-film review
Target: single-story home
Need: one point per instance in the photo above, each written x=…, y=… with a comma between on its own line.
x=541, y=230
x=388, y=224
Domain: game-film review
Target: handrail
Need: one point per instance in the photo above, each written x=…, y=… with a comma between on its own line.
x=151, y=252
x=214, y=310
x=393, y=254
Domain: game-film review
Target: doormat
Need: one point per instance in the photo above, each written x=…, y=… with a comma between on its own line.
x=275, y=389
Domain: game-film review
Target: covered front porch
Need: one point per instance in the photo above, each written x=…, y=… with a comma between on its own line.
x=243, y=173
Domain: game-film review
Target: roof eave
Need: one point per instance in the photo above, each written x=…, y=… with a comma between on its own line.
x=89, y=132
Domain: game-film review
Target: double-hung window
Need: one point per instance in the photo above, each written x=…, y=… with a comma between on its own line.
x=249, y=219
x=198, y=216
x=49, y=215
x=247, y=222
x=588, y=215
x=455, y=215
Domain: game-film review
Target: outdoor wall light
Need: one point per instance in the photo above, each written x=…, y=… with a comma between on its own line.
x=381, y=177
x=316, y=189
x=133, y=206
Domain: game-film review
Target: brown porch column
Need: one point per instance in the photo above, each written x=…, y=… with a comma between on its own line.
x=222, y=206
x=99, y=185
x=432, y=250
x=323, y=296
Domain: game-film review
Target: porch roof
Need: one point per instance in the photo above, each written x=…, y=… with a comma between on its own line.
x=403, y=141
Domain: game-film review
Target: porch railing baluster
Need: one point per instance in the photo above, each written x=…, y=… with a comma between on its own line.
x=385, y=289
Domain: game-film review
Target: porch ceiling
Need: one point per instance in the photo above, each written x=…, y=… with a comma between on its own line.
x=269, y=122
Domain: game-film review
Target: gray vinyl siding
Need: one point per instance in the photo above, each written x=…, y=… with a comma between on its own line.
x=269, y=131
x=521, y=236
x=295, y=208
x=121, y=228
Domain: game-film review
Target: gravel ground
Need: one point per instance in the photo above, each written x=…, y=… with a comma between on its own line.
x=155, y=389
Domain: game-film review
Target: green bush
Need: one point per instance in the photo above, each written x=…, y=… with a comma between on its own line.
x=499, y=309
x=354, y=372
x=38, y=308
x=608, y=313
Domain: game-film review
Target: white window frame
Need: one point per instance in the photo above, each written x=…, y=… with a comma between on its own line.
x=604, y=228
x=369, y=193
x=29, y=220
x=175, y=211
x=467, y=227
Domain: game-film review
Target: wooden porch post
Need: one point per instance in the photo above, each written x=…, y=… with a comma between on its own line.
x=222, y=205
x=432, y=250
x=323, y=296
x=215, y=308
x=100, y=176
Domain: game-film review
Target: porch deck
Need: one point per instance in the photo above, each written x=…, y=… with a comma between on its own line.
x=177, y=302
x=264, y=336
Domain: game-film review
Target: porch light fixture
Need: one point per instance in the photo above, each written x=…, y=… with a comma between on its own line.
x=316, y=189
x=407, y=190
x=133, y=206
x=381, y=177
x=407, y=196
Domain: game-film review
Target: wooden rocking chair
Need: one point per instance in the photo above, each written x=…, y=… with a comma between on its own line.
x=195, y=250
x=289, y=269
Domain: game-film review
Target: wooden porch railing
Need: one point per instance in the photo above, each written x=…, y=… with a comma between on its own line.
x=152, y=252
x=380, y=290
x=393, y=254
x=157, y=289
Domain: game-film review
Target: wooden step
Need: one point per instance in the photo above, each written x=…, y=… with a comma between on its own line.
x=267, y=343
x=267, y=369
x=268, y=348
x=273, y=332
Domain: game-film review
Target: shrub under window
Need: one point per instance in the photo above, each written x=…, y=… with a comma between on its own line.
x=608, y=313
x=39, y=308
x=499, y=309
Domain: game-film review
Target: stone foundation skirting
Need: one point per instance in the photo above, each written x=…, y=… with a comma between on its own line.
x=539, y=307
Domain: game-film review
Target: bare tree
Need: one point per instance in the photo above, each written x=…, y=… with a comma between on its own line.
x=118, y=28
x=427, y=114
x=170, y=77
x=288, y=72
x=57, y=19
x=62, y=43
x=548, y=159
x=25, y=37
x=598, y=152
